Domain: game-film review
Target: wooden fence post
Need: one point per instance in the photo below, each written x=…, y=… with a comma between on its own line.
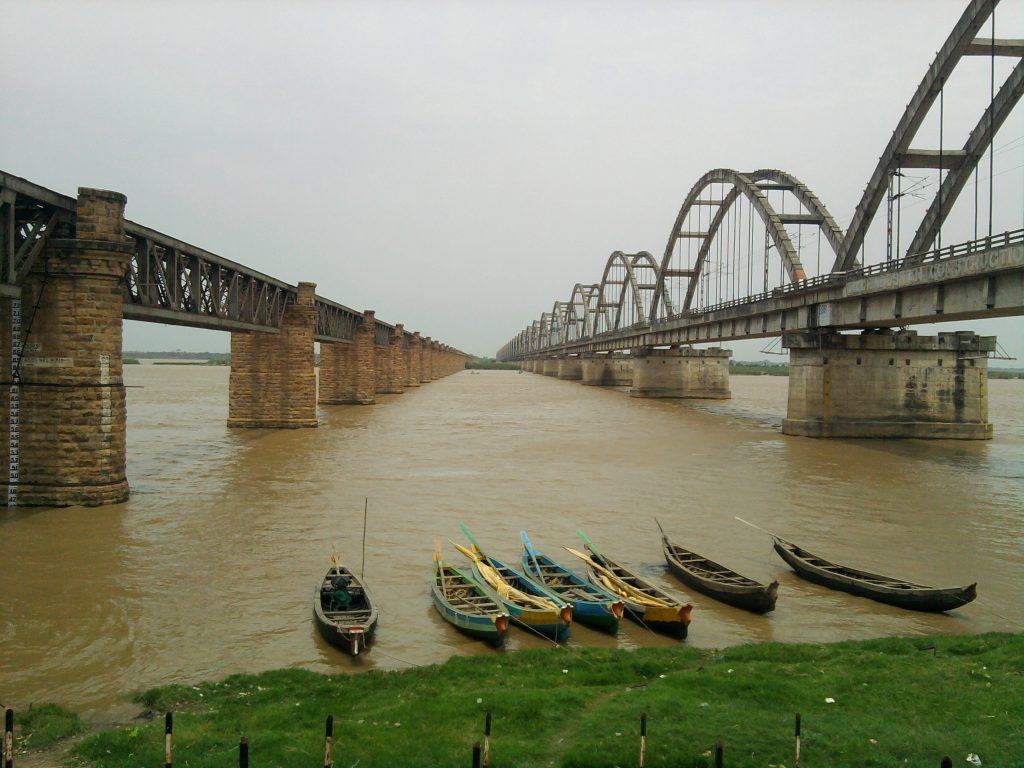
x=487, y=740
x=243, y=753
x=9, y=738
x=329, y=742
x=797, y=740
x=476, y=754
x=718, y=754
x=643, y=740
x=169, y=740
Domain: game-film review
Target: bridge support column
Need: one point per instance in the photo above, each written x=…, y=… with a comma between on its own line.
x=681, y=373
x=396, y=352
x=64, y=403
x=426, y=360
x=596, y=371
x=885, y=384
x=348, y=372
x=550, y=366
x=622, y=370
x=435, y=360
x=569, y=368
x=273, y=378
x=412, y=361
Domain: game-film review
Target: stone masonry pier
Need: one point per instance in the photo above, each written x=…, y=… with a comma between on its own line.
x=63, y=398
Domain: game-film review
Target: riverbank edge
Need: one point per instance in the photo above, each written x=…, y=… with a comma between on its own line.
x=863, y=703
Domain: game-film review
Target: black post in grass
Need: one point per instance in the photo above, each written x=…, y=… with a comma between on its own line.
x=797, y=740
x=487, y=740
x=329, y=742
x=243, y=753
x=169, y=740
x=643, y=740
x=476, y=754
x=718, y=754
x=947, y=762
x=9, y=738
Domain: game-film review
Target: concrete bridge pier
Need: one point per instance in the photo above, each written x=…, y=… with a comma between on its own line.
x=550, y=366
x=63, y=402
x=273, y=375
x=681, y=372
x=888, y=384
x=596, y=371
x=348, y=371
x=569, y=368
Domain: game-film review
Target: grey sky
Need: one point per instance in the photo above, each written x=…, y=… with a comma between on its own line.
x=459, y=166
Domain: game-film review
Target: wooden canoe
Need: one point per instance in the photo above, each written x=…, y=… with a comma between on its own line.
x=464, y=604
x=645, y=603
x=350, y=629
x=717, y=581
x=884, y=589
x=530, y=605
x=591, y=604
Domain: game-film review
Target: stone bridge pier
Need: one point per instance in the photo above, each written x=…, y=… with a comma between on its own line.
x=348, y=370
x=888, y=384
x=273, y=377
x=64, y=403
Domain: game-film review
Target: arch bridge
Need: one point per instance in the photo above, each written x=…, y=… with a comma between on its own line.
x=755, y=254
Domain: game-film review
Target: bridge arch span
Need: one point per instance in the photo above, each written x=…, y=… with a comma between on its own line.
x=626, y=291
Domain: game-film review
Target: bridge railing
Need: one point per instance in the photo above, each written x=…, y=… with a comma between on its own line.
x=958, y=250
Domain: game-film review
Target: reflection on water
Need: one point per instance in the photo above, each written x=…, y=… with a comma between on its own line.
x=209, y=569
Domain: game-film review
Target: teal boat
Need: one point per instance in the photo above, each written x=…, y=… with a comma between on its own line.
x=528, y=604
x=464, y=604
x=591, y=605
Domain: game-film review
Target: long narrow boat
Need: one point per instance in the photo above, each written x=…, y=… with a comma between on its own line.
x=348, y=626
x=717, y=581
x=530, y=605
x=464, y=604
x=645, y=603
x=591, y=604
x=884, y=589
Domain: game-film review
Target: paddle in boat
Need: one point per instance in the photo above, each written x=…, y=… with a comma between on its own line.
x=591, y=604
x=717, y=581
x=645, y=603
x=531, y=606
x=464, y=604
x=884, y=589
x=343, y=610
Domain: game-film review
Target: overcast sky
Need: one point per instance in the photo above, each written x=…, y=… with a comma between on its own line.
x=459, y=166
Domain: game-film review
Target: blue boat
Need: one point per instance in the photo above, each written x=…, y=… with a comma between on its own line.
x=531, y=606
x=464, y=604
x=590, y=604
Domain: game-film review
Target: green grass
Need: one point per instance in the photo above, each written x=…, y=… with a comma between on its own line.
x=44, y=725
x=898, y=701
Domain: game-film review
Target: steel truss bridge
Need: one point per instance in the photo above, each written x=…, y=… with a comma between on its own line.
x=168, y=281
x=731, y=269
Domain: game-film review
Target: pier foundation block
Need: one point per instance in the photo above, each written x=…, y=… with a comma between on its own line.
x=681, y=373
x=888, y=384
x=570, y=368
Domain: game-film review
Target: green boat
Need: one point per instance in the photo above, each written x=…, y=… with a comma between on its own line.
x=464, y=604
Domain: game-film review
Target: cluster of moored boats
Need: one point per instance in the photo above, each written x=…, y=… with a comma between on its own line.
x=543, y=596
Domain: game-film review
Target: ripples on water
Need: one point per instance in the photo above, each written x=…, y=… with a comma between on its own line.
x=209, y=568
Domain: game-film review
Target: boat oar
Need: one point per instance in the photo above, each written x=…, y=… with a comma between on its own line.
x=660, y=529
x=589, y=544
x=533, y=554
x=472, y=541
x=440, y=565
x=762, y=530
x=615, y=584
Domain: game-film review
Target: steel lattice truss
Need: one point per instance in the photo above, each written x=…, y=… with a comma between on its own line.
x=168, y=280
x=634, y=292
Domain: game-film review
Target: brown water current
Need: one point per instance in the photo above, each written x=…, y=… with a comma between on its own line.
x=210, y=568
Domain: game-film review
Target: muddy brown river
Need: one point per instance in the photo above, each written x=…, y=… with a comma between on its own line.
x=209, y=569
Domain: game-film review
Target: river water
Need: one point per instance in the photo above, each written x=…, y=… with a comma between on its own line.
x=209, y=569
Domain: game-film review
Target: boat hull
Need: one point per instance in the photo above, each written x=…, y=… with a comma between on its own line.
x=883, y=589
x=548, y=622
x=672, y=619
x=350, y=630
x=741, y=593
x=602, y=611
x=487, y=622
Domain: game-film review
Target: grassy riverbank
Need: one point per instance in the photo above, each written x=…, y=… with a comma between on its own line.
x=869, y=703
